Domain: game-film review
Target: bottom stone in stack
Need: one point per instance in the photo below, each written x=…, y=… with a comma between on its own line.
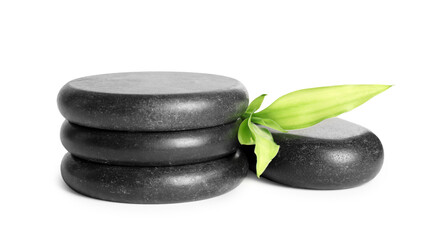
x=169, y=184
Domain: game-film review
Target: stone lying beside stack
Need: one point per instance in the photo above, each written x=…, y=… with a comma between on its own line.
x=334, y=154
x=152, y=137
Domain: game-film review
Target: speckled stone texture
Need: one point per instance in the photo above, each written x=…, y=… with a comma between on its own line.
x=152, y=101
x=154, y=184
x=150, y=148
x=334, y=154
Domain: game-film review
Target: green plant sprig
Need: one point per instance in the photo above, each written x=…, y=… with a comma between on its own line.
x=295, y=110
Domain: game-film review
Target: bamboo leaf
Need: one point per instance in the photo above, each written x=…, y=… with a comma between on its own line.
x=254, y=105
x=265, y=147
x=244, y=135
x=308, y=107
x=268, y=123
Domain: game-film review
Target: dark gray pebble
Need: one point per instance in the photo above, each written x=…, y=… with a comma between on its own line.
x=154, y=184
x=334, y=154
x=152, y=101
x=150, y=148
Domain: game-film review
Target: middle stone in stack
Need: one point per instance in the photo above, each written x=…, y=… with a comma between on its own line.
x=152, y=137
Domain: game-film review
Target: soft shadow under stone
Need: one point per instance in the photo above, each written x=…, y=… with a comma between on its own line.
x=150, y=148
x=334, y=154
x=152, y=101
x=154, y=184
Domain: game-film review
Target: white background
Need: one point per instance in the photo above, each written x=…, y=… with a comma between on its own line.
x=273, y=47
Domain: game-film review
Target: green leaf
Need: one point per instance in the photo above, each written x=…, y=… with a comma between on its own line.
x=265, y=147
x=308, y=107
x=268, y=123
x=254, y=105
x=244, y=135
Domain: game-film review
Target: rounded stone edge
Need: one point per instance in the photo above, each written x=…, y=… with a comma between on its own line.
x=106, y=176
x=248, y=150
x=136, y=148
x=137, y=118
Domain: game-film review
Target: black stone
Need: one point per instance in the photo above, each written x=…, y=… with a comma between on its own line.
x=154, y=184
x=334, y=154
x=150, y=148
x=152, y=101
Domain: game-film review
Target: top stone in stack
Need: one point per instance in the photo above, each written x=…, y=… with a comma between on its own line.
x=152, y=101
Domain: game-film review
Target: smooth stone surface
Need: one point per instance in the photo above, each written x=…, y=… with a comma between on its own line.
x=152, y=101
x=150, y=148
x=334, y=154
x=154, y=184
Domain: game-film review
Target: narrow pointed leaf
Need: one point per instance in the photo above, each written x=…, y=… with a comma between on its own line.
x=244, y=135
x=308, y=107
x=254, y=105
x=265, y=147
x=268, y=123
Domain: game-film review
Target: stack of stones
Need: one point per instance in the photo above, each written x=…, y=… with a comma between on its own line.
x=152, y=137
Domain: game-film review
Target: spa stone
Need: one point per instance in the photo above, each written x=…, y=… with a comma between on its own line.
x=334, y=154
x=154, y=184
x=152, y=101
x=150, y=148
